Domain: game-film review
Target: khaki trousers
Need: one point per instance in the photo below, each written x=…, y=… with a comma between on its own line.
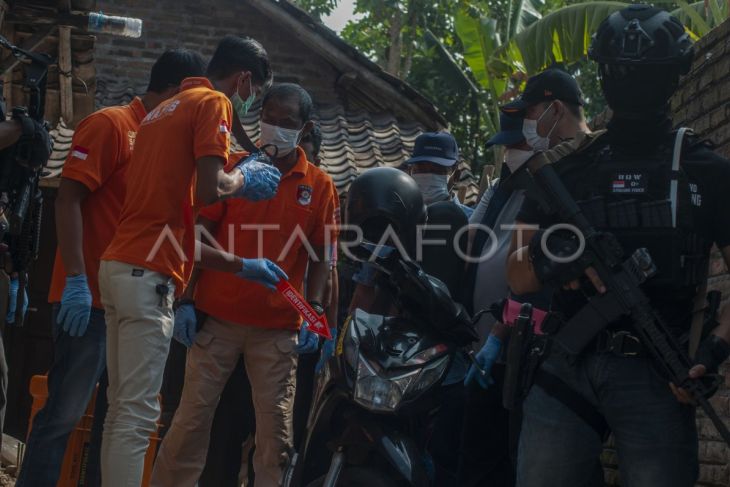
x=271, y=367
x=139, y=321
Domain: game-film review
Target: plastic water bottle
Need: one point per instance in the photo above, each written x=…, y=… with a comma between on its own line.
x=109, y=24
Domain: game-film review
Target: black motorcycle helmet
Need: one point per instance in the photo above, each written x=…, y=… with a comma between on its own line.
x=641, y=52
x=383, y=197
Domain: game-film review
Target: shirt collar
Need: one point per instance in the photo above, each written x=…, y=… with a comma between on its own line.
x=138, y=108
x=302, y=165
x=195, y=82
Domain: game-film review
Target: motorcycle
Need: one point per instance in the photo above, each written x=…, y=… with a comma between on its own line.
x=375, y=399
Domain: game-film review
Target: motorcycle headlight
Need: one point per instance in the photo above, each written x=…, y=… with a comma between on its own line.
x=380, y=393
x=429, y=376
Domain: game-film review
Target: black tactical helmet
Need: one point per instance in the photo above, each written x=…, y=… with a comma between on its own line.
x=641, y=52
x=641, y=34
x=386, y=196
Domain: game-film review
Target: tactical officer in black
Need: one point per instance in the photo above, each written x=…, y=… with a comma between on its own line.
x=653, y=187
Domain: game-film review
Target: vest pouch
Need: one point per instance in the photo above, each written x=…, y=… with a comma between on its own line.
x=623, y=214
x=676, y=255
x=656, y=214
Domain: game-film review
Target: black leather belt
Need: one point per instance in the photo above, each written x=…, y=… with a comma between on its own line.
x=622, y=343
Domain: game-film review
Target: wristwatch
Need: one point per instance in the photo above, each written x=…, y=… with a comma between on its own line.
x=317, y=307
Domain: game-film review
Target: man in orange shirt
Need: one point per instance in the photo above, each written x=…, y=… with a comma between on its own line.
x=176, y=168
x=296, y=229
x=89, y=200
x=310, y=360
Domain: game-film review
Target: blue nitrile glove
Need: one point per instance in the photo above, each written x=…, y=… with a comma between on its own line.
x=75, y=307
x=308, y=341
x=185, y=325
x=262, y=271
x=261, y=180
x=13, y=301
x=328, y=350
x=485, y=358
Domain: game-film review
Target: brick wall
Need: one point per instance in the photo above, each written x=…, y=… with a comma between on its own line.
x=199, y=25
x=703, y=99
x=703, y=103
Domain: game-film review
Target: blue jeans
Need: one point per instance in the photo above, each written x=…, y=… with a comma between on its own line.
x=78, y=365
x=655, y=436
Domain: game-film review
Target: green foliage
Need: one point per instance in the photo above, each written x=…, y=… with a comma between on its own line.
x=701, y=17
x=471, y=56
x=562, y=36
x=416, y=40
x=318, y=8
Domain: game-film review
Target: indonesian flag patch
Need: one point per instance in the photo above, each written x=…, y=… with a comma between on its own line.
x=223, y=127
x=80, y=152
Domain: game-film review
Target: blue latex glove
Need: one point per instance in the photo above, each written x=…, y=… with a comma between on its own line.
x=75, y=306
x=13, y=301
x=485, y=358
x=308, y=341
x=328, y=350
x=262, y=271
x=261, y=180
x=185, y=325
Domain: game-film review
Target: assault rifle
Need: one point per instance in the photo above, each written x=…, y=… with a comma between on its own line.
x=21, y=202
x=624, y=295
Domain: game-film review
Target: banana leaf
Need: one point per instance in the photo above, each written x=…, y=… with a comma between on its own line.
x=699, y=18
x=480, y=39
x=561, y=36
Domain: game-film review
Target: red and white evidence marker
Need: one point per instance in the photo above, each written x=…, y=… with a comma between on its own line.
x=317, y=324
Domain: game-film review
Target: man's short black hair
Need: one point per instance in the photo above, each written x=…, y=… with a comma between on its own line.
x=240, y=54
x=314, y=137
x=174, y=66
x=289, y=91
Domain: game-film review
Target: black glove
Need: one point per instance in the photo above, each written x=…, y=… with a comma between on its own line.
x=712, y=352
x=561, y=244
x=34, y=145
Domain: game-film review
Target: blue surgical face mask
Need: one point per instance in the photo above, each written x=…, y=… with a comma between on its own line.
x=242, y=107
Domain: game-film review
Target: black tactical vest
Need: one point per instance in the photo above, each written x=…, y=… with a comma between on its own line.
x=645, y=201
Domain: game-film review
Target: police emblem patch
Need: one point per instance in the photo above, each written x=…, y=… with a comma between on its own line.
x=304, y=194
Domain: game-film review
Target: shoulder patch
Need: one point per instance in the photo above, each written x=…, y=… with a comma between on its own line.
x=580, y=143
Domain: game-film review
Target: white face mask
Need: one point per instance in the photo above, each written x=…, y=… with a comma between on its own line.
x=285, y=140
x=515, y=158
x=434, y=187
x=533, y=139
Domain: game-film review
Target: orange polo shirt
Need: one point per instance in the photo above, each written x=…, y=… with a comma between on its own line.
x=156, y=225
x=100, y=152
x=303, y=210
